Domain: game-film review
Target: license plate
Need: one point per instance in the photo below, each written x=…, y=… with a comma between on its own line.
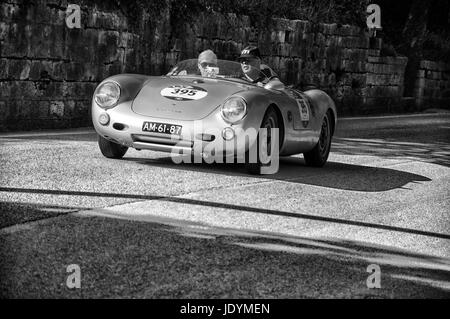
x=161, y=128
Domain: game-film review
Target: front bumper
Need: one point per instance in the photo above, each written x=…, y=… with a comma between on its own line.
x=125, y=128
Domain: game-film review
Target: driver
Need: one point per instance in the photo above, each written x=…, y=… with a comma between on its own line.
x=255, y=71
x=206, y=61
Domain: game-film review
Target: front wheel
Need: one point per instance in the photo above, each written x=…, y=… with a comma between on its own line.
x=270, y=121
x=319, y=154
x=110, y=149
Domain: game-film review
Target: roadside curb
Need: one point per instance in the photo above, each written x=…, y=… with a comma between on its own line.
x=348, y=118
x=90, y=130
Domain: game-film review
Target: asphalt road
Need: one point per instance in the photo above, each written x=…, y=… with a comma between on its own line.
x=145, y=227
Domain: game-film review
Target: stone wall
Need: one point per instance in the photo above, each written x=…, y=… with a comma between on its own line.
x=433, y=85
x=48, y=72
x=339, y=59
x=384, y=83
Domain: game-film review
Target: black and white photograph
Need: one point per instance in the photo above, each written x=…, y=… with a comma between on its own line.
x=224, y=154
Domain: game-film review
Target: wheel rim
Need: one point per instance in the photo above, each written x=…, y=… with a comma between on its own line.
x=324, y=140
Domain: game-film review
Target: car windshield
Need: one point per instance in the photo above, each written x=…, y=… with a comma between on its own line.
x=223, y=69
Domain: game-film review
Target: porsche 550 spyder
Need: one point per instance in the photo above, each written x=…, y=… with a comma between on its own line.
x=205, y=114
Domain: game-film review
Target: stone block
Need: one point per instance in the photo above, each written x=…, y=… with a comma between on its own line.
x=74, y=71
x=281, y=36
x=5, y=89
x=12, y=106
x=69, y=108
x=384, y=79
x=348, y=30
x=82, y=108
x=4, y=64
x=4, y=30
x=41, y=41
x=16, y=44
x=388, y=60
x=9, y=11
x=329, y=29
x=426, y=65
x=44, y=109
x=57, y=109
x=17, y=68
x=25, y=73
x=374, y=52
x=435, y=75
x=35, y=70
x=57, y=40
x=24, y=109
x=4, y=111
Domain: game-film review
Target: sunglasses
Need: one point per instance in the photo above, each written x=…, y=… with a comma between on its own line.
x=247, y=61
x=206, y=64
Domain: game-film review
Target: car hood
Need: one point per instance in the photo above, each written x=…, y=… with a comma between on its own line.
x=183, y=98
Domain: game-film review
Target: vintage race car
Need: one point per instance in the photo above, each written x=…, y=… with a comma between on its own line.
x=214, y=115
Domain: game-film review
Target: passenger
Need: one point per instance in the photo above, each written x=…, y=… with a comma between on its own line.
x=256, y=72
x=207, y=63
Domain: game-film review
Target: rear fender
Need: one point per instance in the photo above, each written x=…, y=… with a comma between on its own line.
x=322, y=103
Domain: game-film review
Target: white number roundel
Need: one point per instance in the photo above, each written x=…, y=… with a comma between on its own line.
x=184, y=93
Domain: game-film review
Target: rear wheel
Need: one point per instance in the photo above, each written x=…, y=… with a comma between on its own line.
x=319, y=154
x=110, y=149
x=269, y=122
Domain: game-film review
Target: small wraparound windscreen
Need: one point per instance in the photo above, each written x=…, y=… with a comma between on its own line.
x=223, y=69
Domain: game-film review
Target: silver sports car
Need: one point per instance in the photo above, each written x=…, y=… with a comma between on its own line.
x=214, y=115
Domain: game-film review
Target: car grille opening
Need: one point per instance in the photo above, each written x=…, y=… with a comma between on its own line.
x=162, y=139
x=119, y=126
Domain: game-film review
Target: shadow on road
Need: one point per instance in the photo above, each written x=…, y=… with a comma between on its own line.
x=430, y=152
x=178, y=259
x=332, y=175
x=182, y=200
x=12, y=213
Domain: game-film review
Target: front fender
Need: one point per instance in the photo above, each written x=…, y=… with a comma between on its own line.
x=130, y=85
x=258, y=101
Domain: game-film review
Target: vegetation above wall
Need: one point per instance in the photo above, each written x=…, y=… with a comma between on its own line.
x=426, y=23
x=260, y=11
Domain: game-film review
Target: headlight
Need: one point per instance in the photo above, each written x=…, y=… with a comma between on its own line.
x=107, y=94
x=234, y=109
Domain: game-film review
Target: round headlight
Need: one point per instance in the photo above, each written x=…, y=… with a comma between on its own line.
x=234, y=109
x=107, y=94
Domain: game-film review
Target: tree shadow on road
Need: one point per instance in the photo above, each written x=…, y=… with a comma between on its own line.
x=166, y=258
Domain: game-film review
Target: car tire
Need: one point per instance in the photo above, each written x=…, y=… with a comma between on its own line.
x=269, y=121
x=110, y=149
x=318, y=156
